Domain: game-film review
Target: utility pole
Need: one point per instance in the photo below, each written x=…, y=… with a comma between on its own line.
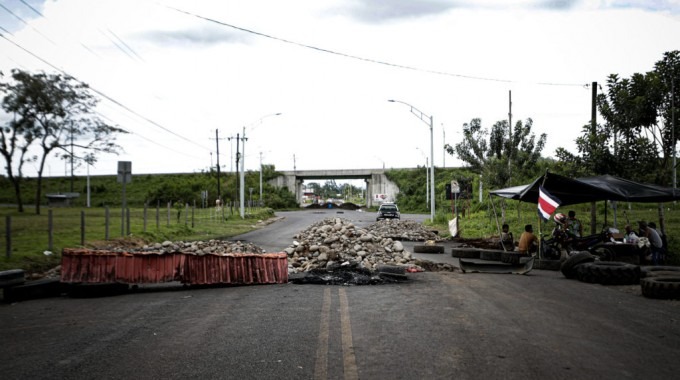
x=261, y=203
x=443, y=143
x=217, y=143
x=673, y=131
x=242, y=197
x=593, y=131
x=238, y=155
x=510, y=145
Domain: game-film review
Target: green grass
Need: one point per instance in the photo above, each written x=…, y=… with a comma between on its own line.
x=481, y=222
x=30, y=239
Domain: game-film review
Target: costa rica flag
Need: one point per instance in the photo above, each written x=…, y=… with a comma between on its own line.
x=547, y=204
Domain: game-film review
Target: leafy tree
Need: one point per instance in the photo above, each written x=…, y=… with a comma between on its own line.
x=57, y=113
x=637, y=130
x=507, y=155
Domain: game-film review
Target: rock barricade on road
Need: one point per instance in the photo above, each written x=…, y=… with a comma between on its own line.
x=408, y=230
x=334, y=241
x=199, y=247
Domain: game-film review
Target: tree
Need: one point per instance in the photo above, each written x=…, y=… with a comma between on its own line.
x=57, y=113
x=637, y=130
x=506, y=152
x=15, y=139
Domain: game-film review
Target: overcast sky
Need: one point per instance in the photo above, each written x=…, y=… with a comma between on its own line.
x=175, y=72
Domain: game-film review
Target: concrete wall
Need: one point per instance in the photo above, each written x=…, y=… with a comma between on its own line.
x=375, y=179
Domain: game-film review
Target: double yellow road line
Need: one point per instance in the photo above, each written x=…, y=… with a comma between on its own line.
x=348, y=358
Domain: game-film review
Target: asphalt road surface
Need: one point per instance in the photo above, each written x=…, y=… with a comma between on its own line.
x=433, y=326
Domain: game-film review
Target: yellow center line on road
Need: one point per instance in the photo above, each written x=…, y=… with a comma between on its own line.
x=321, y=366
x=349, y=360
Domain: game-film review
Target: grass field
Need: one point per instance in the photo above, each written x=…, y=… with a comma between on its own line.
x=35, y=242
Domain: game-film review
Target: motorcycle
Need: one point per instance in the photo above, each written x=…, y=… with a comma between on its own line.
x=562, y=244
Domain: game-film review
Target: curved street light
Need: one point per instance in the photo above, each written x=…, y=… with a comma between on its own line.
x=429, y=121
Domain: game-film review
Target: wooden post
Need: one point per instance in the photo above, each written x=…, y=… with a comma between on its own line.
x=106, y=223
x=50, y=230
x=82, y=227
x=8, y=233
x=192, y=214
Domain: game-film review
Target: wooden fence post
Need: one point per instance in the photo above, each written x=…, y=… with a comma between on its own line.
x=82, y=227
x=50, y=230
x=106, y=223
x=8, y=233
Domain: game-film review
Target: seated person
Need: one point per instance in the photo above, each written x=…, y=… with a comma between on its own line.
x=507, y=241
x=528, y=242
x=630, y=236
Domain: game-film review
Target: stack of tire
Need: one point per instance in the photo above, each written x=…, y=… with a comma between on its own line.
x=661, y=282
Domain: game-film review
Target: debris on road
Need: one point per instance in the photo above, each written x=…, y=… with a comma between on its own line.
x=334, y=241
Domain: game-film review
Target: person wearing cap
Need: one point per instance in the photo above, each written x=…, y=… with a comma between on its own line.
x=528, y=242
x=574, y=226
x=656, y=244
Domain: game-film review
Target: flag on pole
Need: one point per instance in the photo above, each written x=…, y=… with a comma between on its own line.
x=547, y=204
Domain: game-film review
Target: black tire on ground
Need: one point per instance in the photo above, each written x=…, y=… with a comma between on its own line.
x=653, y=270
x=391, y=269
x=11, y=277
x=97, y=290
x=490, y=255
x=465, y=253
x=661, y=287
x=547, y=264
x=512, y=257
x=428, y=249
x=568, y=267
x=609, y=273
x=43, y=288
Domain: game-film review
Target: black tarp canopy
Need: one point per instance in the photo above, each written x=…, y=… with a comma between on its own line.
x=589, y=189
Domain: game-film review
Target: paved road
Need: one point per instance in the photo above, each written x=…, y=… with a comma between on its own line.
x=434, y=326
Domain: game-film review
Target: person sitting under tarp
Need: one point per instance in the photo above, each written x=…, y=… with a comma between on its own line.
x=656, y=244
x=630, y=236
x=507, y=242
x=528, y=242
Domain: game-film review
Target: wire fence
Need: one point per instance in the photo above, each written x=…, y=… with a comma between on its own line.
x=61, y=227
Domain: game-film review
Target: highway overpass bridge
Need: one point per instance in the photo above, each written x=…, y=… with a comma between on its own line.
x=377, y=184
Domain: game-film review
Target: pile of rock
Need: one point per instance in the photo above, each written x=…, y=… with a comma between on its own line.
x=408, y=230
x=200, y=248
x=335, y=241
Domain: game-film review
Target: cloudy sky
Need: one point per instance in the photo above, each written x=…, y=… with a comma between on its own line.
x=177, y=73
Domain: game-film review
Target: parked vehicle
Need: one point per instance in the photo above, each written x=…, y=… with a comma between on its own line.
x=388, y=211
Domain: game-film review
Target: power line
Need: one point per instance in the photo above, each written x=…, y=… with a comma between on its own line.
x=105, y=96
x=356, y=57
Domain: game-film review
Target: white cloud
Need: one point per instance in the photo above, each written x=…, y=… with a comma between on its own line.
x=193, y=75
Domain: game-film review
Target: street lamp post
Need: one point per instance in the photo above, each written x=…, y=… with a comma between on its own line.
x=429, y=121
x=243, y=166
